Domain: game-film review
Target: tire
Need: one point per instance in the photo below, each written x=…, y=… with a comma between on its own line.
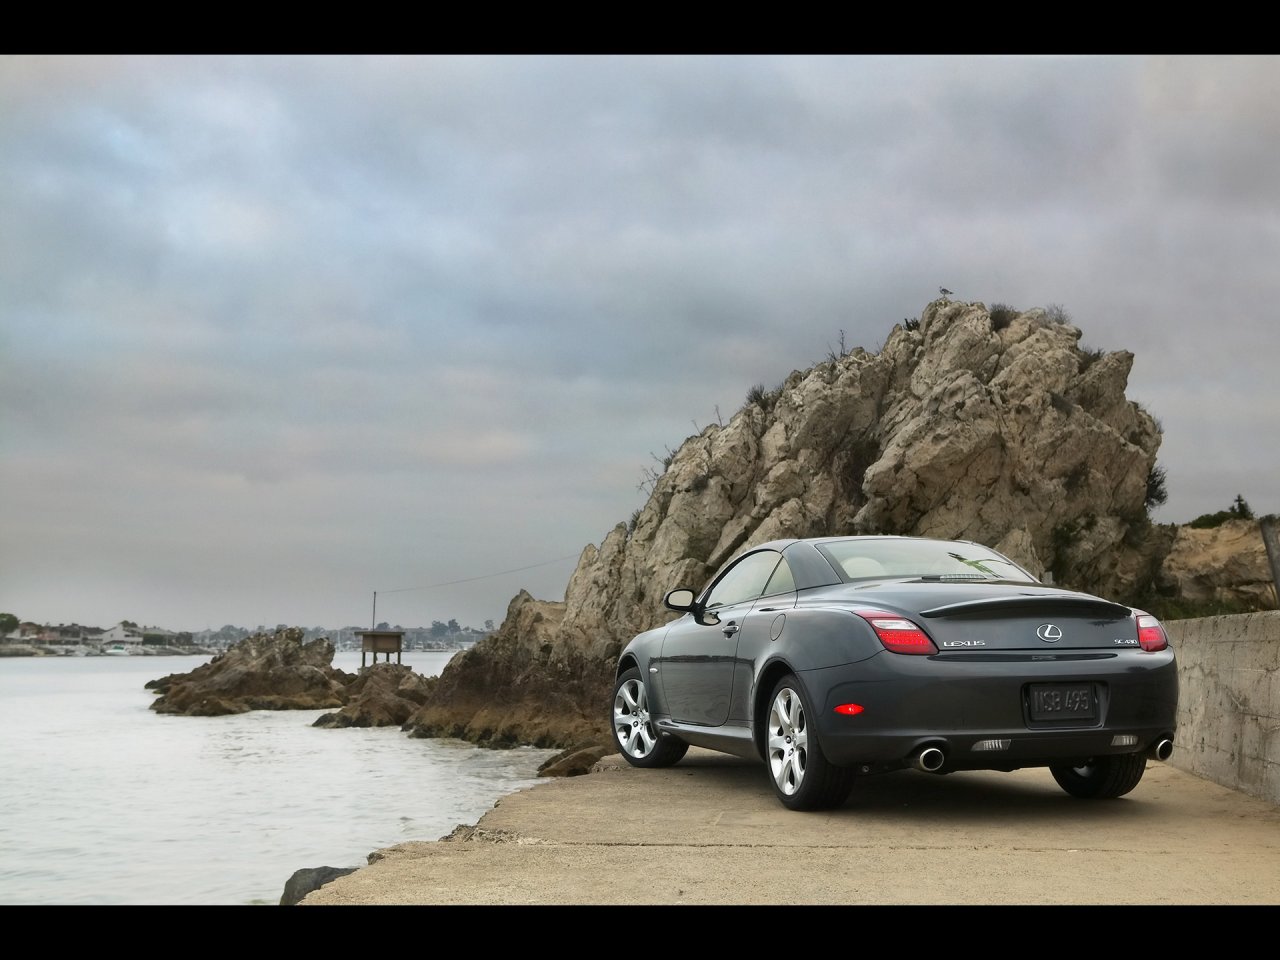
x=1101, y=778
x=802, y=777
x=633, y=732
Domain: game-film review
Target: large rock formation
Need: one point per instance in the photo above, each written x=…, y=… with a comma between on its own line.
x=1002, y=430
x=262, y=672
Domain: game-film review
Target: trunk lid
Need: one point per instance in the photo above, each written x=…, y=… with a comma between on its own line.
x=966, y=616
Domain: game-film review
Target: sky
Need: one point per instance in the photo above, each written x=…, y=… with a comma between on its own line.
x=336, y=340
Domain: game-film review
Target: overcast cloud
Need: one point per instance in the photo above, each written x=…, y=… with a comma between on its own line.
x=278, y=333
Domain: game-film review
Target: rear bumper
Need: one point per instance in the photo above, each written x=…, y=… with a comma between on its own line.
x=977, y=712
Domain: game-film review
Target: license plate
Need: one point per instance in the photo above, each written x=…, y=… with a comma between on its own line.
x=1062, y=701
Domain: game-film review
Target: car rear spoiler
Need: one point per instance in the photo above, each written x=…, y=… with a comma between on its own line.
x=1037, y=605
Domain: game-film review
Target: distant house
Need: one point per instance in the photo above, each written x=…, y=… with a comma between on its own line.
x=24, y=633
x=63, y=635
x=129, y=636
x=66, y=633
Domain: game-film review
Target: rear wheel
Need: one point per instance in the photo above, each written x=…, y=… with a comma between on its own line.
x=632, y=730
x=1101, y=778
x=802, y=777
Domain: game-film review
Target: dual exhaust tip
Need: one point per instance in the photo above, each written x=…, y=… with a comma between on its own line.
x=931, y=758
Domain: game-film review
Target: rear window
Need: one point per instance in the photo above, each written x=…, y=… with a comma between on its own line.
x=943, y=559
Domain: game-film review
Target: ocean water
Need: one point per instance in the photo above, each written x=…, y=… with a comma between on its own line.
x=103, y=801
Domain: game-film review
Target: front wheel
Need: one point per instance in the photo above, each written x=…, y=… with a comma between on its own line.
x=1101, y=778
x=802, y=777
x=632, y=730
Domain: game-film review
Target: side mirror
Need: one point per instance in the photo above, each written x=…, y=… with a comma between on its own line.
x=682, y=599
x=686, y=601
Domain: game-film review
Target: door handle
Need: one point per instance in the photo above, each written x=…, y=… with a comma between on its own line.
x=730, y=629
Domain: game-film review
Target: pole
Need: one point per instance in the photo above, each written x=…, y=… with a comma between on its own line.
x=373, y=624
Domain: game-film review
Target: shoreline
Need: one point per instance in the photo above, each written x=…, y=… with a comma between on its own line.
x=54, y=651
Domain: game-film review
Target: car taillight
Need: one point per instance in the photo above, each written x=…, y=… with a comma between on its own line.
x=1151, y=635
x=898, y=634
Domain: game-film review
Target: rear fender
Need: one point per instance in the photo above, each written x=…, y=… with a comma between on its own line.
x=814, y=638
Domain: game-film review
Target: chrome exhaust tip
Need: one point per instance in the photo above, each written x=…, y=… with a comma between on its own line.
x=929, y=759
x=1163, y=749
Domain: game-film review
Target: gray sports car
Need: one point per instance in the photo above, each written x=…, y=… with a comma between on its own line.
x=839, y=657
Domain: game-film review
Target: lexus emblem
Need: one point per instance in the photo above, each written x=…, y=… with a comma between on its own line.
x=1049, y=633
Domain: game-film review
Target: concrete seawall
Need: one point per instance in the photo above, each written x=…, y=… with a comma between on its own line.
x=1229, y=701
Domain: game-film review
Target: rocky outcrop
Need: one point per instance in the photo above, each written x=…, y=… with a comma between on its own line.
x=517, y=686
x=308, y=879
x=576, y=761
x=1225, y=564
x=262, y=672
x=1004, y=431
x=382, y=695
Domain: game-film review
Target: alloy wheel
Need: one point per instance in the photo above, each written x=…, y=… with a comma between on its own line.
x=631, y=720
x=788, y=741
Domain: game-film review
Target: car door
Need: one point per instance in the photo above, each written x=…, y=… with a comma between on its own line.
x=698, y=659
x=758, y=630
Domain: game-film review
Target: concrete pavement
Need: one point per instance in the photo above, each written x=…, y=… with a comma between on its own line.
x=709, y=831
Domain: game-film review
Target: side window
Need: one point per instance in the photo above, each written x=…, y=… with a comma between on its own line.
x=745, y=580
